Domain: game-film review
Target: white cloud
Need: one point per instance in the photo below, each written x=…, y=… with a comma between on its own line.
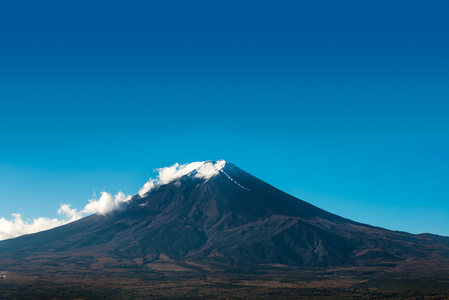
x=106, y=203
x=18, y=226
x=198, y=169
x=70, y=212
x=148, y=186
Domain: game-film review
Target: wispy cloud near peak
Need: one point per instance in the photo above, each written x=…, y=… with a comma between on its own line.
x=199, y=169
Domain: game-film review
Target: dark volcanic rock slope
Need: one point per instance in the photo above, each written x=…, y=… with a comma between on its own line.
x=228, y=219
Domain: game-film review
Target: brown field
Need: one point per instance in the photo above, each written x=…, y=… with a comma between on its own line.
x=174, y=282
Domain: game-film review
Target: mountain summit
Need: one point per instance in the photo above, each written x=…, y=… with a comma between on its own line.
x=212, y=215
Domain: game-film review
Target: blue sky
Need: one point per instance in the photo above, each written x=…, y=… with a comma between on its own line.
x=343, y=104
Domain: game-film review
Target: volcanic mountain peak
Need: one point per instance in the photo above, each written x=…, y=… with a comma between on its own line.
x=214, y=215
x=198, y=169
x=211, y=218
x=207, y=169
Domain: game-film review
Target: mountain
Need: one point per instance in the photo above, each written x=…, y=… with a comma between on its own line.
x=214, y=217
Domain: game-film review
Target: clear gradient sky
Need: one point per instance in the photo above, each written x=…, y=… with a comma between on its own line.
x=344, y=104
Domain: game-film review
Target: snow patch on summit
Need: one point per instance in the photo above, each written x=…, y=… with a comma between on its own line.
x=198, y=169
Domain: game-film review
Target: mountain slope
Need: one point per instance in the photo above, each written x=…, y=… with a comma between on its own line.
x=221, y=217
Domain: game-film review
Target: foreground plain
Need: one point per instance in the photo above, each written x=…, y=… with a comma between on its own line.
x=338, y=283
